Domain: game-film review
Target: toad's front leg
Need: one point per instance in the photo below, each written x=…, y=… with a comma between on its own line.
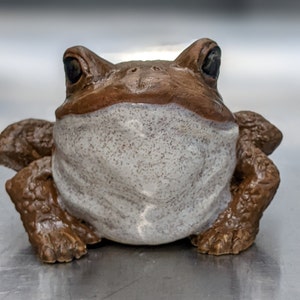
x=55, y=234
x=236, y=228
x=253, y=186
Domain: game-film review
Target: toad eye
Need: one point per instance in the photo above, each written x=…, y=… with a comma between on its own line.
x=73, y=69
x=212, y=62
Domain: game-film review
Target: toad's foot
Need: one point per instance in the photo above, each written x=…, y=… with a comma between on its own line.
x=62, y=240
x=55, y=234
x=58, y=243
x=226, y=236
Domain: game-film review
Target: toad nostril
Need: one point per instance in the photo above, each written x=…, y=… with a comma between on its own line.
x=133, y=70
x=156, y=68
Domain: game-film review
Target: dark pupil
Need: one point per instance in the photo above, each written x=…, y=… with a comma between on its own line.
x=212, y=62
x=72, y=69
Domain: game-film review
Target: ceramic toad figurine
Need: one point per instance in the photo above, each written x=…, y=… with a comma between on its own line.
x=142, y=153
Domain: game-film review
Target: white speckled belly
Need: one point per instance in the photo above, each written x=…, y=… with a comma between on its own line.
x=142, y=173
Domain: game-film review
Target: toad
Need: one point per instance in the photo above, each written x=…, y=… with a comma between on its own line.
x=141, y=153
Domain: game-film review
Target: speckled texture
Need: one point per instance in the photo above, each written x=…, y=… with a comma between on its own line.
x=148, y=153
x=144, y=174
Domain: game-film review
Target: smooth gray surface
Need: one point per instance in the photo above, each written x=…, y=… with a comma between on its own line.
x=260, y=71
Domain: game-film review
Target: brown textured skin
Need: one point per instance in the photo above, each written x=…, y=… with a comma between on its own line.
x=155, y=82
x=253, y=186
x=25, y=141
x=25, y=146
x=55, y=234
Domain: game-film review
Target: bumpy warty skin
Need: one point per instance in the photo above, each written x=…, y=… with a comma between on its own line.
x=144, y=152
x=144, y=173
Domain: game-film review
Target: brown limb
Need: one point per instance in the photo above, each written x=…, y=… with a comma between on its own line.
x=55, y=234
x=255, y=129
x=253, y=186
x=25, y=141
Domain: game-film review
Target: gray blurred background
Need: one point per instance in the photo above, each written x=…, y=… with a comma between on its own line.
x=260, y=43
x=212, y=5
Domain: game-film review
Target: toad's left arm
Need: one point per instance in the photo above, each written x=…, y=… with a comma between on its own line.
x=253, y=186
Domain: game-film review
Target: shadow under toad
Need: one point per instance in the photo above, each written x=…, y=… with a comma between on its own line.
x=173, y=271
